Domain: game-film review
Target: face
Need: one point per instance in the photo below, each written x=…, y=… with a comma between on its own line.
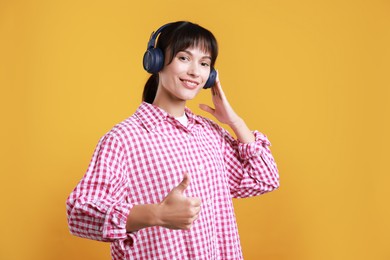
x=185, y=76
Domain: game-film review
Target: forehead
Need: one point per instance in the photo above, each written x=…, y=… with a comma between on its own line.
x=193, y=43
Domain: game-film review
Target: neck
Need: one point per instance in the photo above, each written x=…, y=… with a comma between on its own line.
x=172, y=105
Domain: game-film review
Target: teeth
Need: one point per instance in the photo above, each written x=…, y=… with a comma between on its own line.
x=190, y=83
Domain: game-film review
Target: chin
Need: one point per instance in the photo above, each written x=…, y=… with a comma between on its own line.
x=186, y=98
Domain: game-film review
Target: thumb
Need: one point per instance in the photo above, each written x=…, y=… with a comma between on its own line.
x=184, y=183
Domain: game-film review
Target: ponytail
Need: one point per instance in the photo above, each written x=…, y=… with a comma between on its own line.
x=150, y=89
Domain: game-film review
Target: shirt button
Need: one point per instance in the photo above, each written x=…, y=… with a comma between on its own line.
x=201, y=167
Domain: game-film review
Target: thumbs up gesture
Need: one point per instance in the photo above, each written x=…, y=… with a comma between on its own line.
x=178, y=211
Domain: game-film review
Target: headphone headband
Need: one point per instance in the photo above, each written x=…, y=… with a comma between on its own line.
x=154, y=35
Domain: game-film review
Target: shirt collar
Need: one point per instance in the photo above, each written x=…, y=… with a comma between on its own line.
x=192, y=118
x=151, y=116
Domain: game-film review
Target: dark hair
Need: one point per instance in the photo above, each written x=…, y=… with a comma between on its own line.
x=177, y=37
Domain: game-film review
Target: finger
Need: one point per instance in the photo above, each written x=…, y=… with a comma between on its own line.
x=194, y=214
x=218, y=90
x=184, y=183
x=187, y=227
x=207, y=108
x=195, y=211
x=213, y=90
x=195, y=217
x=196, y=202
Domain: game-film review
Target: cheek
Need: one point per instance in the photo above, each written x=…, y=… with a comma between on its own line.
x=176, y=68
x=206, y=74
x=167, y=74
x=172, y=70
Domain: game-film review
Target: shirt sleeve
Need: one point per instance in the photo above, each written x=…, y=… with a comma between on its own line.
x=251, y=168
x=98, y=207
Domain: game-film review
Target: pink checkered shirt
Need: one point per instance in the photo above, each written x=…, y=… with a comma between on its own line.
x=141, y=159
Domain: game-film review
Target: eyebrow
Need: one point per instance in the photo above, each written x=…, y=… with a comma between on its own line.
x=190, y=53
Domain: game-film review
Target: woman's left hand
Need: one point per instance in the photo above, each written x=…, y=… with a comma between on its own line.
x=223, y=112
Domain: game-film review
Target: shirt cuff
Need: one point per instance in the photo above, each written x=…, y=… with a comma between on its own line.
x=253, y=149
x=115, y=223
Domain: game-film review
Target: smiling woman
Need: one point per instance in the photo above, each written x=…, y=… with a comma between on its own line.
x=160, y=184
x=313, y=75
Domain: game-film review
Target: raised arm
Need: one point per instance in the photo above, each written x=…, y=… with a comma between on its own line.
x=250, y=166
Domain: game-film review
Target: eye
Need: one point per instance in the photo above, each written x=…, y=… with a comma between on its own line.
x=205, y=64
x=183, y=58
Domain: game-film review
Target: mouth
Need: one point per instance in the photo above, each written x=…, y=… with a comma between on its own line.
x=190, y=84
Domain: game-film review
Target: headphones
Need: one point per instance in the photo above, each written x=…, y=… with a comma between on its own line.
x=153, y=60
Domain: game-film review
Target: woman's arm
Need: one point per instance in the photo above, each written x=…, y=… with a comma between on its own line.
x=250, y=166
x=98, y=206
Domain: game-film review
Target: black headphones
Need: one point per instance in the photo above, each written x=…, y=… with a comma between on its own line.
x=154, y=58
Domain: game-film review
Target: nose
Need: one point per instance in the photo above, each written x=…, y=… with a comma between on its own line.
x=193, y=69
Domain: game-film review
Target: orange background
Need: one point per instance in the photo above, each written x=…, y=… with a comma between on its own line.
x=312, y=75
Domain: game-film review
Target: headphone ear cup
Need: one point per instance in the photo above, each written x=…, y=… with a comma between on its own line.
x=211, y=80
x=153, y=60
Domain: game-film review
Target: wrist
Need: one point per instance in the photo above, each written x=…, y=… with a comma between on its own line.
x=243, y=133
x=236, y=124
x=157, y=213
x=142, y=216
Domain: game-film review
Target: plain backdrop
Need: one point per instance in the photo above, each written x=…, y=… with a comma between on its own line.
x=311, y=75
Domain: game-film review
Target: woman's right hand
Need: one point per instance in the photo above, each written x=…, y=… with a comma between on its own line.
x=177, y=211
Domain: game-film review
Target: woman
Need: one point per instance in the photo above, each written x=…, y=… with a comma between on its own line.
x=160, y=184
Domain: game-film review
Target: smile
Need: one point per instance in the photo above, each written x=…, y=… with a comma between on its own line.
x=189, y=83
